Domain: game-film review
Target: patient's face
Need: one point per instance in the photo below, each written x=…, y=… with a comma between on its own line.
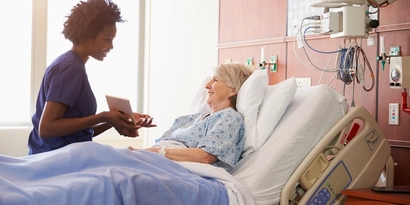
x=218, y=94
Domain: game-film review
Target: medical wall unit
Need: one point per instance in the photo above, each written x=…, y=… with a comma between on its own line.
x=399, y=74
x=348, y=18
x=271, y=65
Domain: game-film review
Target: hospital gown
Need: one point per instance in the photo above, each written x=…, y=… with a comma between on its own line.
x=220, y=134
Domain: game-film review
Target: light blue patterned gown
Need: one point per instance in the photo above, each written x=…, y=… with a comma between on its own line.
x=220, y=134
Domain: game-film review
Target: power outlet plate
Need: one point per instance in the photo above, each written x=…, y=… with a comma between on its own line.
x=303, y=82
x=394, y=113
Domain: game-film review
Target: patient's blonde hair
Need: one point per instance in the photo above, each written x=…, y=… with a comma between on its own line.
x=234, y=75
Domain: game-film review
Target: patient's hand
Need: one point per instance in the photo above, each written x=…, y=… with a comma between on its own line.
x=132, y=148
x=122, y=123
x=143, y=120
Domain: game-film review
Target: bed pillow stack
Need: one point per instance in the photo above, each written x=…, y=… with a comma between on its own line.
x=276, y=101
x=262, y=106
x=250, y=98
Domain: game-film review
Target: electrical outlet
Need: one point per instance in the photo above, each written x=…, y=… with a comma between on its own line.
x=303, y=82
x=393, y=113
x=370, y=41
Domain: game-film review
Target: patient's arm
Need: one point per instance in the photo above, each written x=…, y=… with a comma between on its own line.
x=187, y=155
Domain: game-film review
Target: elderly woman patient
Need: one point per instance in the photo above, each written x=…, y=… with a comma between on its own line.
x=215, y=137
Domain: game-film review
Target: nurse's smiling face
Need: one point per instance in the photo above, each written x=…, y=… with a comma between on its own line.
x=99, y=46
x=219, y=94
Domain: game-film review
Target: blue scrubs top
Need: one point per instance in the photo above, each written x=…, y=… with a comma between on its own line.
x=65, y=81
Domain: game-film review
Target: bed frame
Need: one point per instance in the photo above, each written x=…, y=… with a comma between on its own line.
x=336, y=163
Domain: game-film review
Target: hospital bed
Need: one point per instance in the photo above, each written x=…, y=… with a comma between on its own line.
x=316, y=150
x=295, y=151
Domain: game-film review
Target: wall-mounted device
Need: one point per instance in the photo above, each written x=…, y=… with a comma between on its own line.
x=340, y=3
x=400, y=72
x=347, y=21
x=272, y=65
x=348, y=18
x=400, y=78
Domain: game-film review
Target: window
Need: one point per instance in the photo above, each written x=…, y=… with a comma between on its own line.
x=15, y=78
x=116, y=75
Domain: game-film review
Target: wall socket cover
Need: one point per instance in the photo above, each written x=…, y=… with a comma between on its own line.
x=303, y=82
x=394, y=113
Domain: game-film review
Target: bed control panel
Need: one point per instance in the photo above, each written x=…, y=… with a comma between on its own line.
x=331, y=186
x=322, y=197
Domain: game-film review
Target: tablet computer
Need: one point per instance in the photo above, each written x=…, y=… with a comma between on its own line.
x=393, y=189
x=120, y=104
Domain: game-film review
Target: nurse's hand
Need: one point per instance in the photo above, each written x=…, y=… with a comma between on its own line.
x=123, y=124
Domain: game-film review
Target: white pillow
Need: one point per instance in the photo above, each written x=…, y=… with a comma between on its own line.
x=276, y=101
x=199, y=103
x=250, y=97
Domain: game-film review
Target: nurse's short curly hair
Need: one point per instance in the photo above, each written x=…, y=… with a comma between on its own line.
x=88, y=18
x=234, y=75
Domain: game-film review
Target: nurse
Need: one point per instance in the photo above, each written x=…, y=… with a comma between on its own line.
x=66, y=106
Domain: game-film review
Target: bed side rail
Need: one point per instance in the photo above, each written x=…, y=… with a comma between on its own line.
x=357, y=164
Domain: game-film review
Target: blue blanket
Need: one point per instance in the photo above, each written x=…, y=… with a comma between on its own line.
x=92, y=173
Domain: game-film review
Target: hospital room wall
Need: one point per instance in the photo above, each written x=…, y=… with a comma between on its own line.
x=247, y=26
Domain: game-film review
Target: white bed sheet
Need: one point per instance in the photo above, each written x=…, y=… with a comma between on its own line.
x=311, y=114
x=238, y=194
